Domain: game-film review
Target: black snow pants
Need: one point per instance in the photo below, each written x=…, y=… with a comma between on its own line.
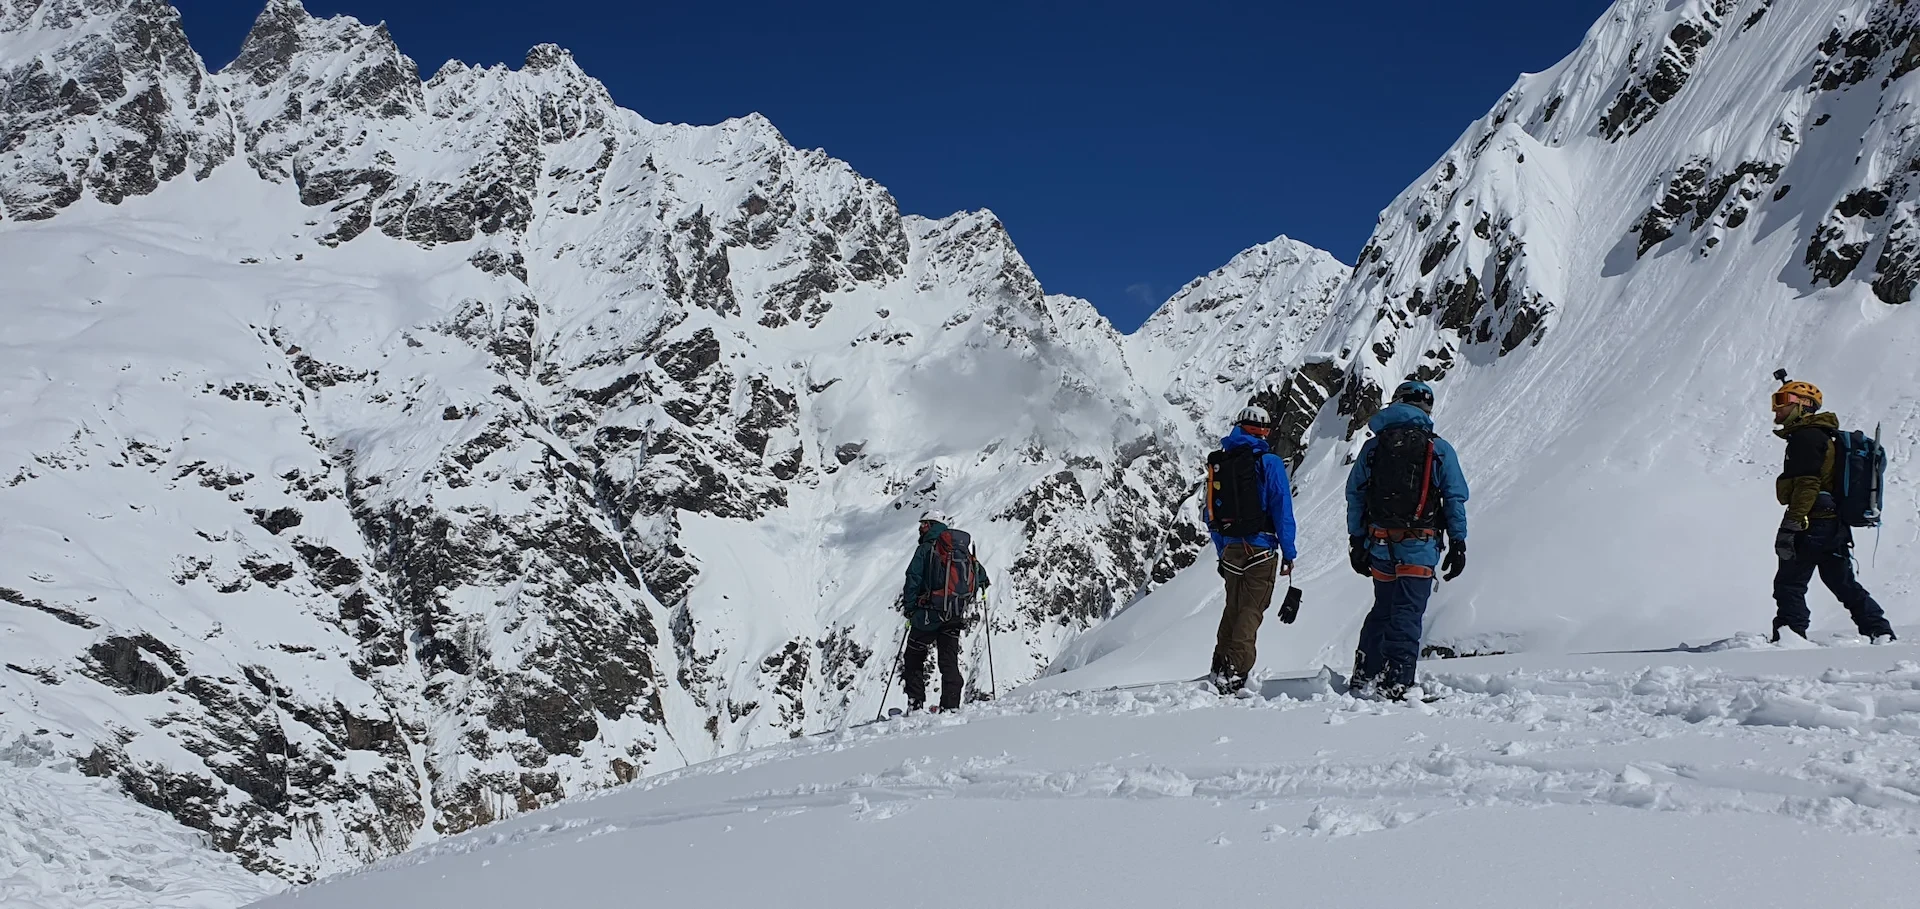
x=944, y=638
x=1824, y=547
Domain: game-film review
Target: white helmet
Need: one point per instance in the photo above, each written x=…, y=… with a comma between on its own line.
x=937, y=517
x=1254, y=415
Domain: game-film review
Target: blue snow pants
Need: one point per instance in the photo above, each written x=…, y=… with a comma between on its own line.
x=1390, y=638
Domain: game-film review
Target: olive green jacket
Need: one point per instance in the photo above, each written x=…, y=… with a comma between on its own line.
x=1809, y=467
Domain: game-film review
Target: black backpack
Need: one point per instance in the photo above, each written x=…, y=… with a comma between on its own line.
x=1859, y=477
x=952, y=583
x=1401, y=492
x=1234, y=507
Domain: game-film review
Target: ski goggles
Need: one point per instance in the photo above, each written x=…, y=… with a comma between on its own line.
x=1258, y=432
x=1786, y=399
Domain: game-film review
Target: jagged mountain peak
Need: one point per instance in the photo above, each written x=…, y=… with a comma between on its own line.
x=1233, y=335
x=548, y=56
x=293, y=66
x=104, y=96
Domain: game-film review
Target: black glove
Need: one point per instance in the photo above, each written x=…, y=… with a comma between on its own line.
x=1786, y=542
x=1357, y=554
x=1456, y=561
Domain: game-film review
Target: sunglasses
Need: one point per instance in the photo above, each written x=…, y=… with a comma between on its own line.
x=1786, y=399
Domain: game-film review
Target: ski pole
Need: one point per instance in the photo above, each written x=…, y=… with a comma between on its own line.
x=887, y=687
x=993, y=686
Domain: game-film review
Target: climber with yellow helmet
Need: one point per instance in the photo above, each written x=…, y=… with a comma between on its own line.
x=1812, y=536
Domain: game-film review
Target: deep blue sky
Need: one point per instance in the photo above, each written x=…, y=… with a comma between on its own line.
x=1129, y=147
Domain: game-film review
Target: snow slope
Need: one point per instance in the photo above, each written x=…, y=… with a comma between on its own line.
x=1748, y=777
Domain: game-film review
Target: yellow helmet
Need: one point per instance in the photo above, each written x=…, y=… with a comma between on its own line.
x=1805, y=391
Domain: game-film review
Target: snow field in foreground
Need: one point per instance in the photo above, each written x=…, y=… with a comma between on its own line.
x=1741, y=774
x=70, y=842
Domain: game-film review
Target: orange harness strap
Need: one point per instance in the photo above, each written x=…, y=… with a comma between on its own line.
x=1396, y=535
x=1403, y=571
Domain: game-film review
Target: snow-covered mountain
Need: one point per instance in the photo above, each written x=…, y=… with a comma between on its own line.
x=1236, y=334
x=405, y=455
x=384, y=457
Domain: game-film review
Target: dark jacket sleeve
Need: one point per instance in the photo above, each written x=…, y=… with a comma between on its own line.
x=916, y=576
x=1799, y=486
x=980, y=575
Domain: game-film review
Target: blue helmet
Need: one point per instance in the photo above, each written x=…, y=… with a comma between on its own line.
x=1419, y=394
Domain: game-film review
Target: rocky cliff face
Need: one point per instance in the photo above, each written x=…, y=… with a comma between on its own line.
x=102, y=98
x=386, y=456
x=1475, y=261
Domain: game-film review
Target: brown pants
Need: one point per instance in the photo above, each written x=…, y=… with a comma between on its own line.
x=1250, y=574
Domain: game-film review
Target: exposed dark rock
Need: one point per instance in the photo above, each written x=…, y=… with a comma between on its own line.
x=1682, y=194
x=1647, y=93
x=330, y=568
x=494, y=262
x=686, y=360
x=122, y=662
x=1899, y=264
x=277, y=520
x=1439, y=250
x=1300, y=400
x=269, y=573
x=9, y=595
x=1835, y=251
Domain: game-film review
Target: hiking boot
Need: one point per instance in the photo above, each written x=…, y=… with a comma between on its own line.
x=1229, y=685
x=1391, y=691
x=1802, y=632
x=1361, y=686
x=1887, y=638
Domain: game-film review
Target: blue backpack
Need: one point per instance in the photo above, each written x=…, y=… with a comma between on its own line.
x=1859, y=477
